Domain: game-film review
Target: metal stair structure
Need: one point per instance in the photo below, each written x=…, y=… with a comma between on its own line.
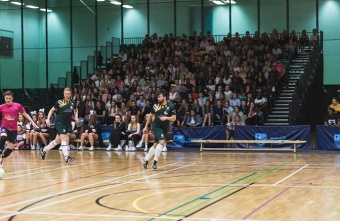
x=279, y=115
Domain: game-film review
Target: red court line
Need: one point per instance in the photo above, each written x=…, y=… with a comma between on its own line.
x=12, y=194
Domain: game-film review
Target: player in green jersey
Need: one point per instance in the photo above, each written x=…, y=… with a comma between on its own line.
x=162, y=114
x=65, y=108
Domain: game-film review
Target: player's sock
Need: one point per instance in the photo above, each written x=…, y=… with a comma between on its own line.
x=50, y=146
x=6, y=152
x=64, y=148
x=158, y=151
x=150, y=153
x=3, y=142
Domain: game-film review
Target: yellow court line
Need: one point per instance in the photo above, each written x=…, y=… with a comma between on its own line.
x=135, y=202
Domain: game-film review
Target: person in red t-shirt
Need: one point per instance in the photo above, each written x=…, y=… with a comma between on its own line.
x=10, y=114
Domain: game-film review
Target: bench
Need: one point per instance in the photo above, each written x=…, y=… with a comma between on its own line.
x=293, y=142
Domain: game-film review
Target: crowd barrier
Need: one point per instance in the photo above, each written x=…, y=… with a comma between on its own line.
x=327, y=137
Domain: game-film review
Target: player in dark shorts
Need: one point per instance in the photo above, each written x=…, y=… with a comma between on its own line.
x=65, y=108
x=162, y=112
x=10, y=114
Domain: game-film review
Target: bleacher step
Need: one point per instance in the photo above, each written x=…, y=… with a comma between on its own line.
x=277, y=120
x=276, y=124
x=274, y=116
x=280, y=112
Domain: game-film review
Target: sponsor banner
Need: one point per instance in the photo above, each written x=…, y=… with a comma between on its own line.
x=327, y=137
x=273, y=133
x=182, y=136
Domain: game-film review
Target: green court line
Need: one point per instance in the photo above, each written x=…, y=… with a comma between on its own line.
x=232, y=189
x=184, y=204
x=223, y=193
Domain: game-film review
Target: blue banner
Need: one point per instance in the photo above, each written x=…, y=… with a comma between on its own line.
x=273, y=133
x=182, y=136
x=327, y=137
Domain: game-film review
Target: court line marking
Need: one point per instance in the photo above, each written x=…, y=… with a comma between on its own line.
x=200, y=197
x=74, y=189
x=290, y=175
x=95, y=191
x=241, y=185
x=125, y=216
x=32, y=169
x=230, y=190
x=44, y=171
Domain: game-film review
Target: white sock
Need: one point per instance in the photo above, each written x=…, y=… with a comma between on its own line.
x=158, y=151
x=146, y=146
x=50, y=146
x=150, y=153
x=64, y=148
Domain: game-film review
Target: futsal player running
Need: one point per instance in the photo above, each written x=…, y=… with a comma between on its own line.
x=10, y=114
x=162, y=113
x=65, y=108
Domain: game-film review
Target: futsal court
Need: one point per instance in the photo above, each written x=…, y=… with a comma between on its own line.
x=188, y=185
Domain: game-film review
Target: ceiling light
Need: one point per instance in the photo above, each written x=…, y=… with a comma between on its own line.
x=16, y=3
x=127, y=6
x=115, y=2
x=43, y=9
x=223, y=2
x=4, y=0
x=32, y=6
x=100, y=0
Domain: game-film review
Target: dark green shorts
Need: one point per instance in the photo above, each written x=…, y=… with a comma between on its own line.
x=159, y=133
x=61, y=128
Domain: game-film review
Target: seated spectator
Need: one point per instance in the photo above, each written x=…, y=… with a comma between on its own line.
x=132, y=134
x=231, y=127
x=335, y=105
x=218, y=116
x=207, y=110
x=117, y=134
x=100, y=112
x=193, y=120
x=112, y=111
x=31, y=129
x=331, y=118
x=92, y=132
x=182, y=114
x=124, y=112
x=134, y=110
x=25, y=125
x=147, y=135
x=201, y=99
x=252, y=117
x=42, y=132
x=20, y=141
x=304, y=40
x=239, y=113
x=262, y=103
x=172, y=94
x=197, y=108
x=235, y=101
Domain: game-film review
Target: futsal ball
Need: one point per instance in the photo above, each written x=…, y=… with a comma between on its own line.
x=2, y=173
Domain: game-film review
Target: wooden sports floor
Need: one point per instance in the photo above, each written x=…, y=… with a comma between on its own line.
x=190, y=185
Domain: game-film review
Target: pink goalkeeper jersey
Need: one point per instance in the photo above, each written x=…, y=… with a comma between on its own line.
x=10, y=114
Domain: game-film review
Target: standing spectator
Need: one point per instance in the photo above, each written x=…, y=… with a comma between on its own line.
x=235, y=122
